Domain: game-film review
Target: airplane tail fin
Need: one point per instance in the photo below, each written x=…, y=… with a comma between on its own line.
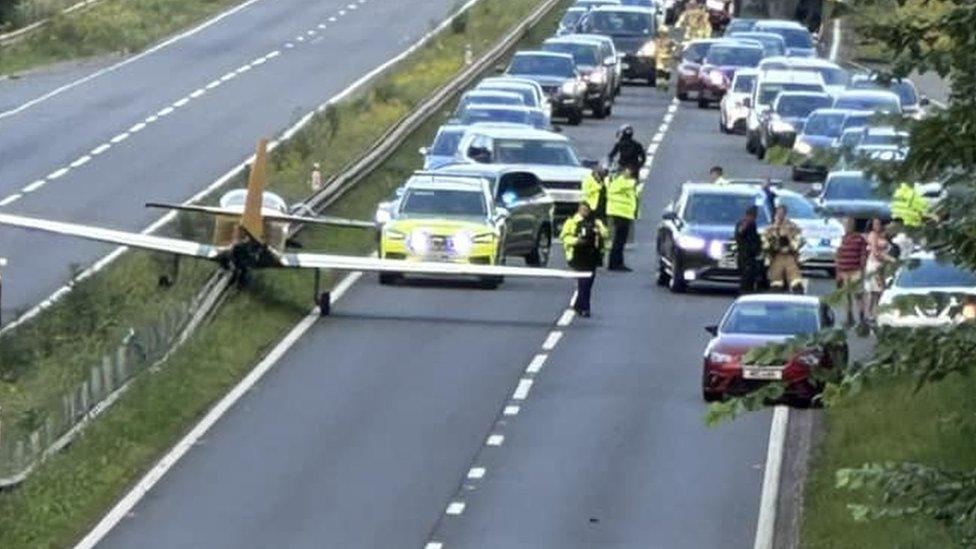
x=252, y=220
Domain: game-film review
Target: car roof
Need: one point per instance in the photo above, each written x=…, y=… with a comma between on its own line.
x=739, y=189
x=543, y=53
x=813, y=301
x=791, y=77
x=490, y=92
x=628, y=9
x=431, y=181
x=570, y=39
x=465, y=169
x=515, y=132
x=867, y=94
x=779, y=24
x=829, y=111
x=884, y=130
x=761, y=34
x=783, y=94
x=576, y=8
x=846, y=173
x=509, y=81
x=745, y=71
x=590, y=36
x=737, y=43
x=451, y=127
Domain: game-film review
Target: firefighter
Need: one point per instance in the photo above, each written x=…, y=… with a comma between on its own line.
x=781, y=243
x=694, y=21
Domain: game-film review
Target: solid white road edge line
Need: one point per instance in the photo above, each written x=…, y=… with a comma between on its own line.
x=106, y=70
x=766, y=525
x=129, y=501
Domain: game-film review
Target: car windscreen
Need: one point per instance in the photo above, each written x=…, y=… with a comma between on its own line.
x=851, y=187
x=771, y=318
x=825, y=124
x=891, y=139
x=443, y=202
x=583, y=54
x=794, y=38
x=740, y=25
x=832, y=76
x=797, y=206
x=570, y=18
x=641, y=3
x=446, y=142
x=734, y=56
x=744, y=83
x=477, y=113
x=695, y=52
x=721, y=208
x=868, y=103
x=856, y=120
x=546, y=65
x=528, y=96
x=904, y=90
x=930, y=273
x=769, y=90
x=801, y=105
x=772, y=45
x=620, y=23
x=488, y=99
x=534, y=151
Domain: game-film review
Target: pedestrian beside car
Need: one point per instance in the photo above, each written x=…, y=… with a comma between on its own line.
x=781, y=246
x=315, y=178
x=849, y=264
x=594, y=189
x=717, y=176
x=748, y=251
x=874, y=267
x=584, y=238
x=622, y=210
x=630, y=154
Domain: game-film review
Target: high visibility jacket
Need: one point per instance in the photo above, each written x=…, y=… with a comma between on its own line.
x=569, y=235
x=622, y=196
x=695, y=23
x=591, y=191
x=908, y=205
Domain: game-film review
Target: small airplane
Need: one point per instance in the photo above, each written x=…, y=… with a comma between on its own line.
x=251, y=229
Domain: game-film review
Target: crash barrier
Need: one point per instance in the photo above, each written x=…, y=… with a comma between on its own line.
x=45, y=429
x=17, y=35
x=54, y=426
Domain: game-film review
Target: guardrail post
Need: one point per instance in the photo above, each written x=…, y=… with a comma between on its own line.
x=3, y=263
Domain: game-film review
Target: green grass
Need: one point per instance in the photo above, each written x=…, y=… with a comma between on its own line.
x=937, y=426
x=111, y=26
x=67, y=493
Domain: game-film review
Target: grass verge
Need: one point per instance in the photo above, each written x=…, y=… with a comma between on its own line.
x=111, y=26
x=70, y=491
x=936, y=426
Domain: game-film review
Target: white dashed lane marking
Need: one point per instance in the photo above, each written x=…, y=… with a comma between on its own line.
x=566, y=318
x=165, y=112
x=137, y=127
x=57, y=173
x=121, y=137
x=495, y=440
x=551, y=341
x=522, y=391
x=455, y=508
x=511, y=410
x=34, y=186
x=101, y=148
x=80, y=162
x=476, y=473
x=10, y=199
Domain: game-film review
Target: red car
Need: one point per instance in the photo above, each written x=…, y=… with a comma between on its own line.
x=719, y=66
x=689, y=67
x=756, y=320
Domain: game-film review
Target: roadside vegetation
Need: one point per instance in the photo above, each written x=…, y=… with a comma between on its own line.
x=70, y=491
x=17, y=14
x=897, y=464
x=110, y=26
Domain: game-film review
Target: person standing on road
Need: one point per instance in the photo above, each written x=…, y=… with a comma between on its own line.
x=874, y=266
x=851, y=257
x=630, y=152
x=717, y=176
x=594, y=189
x=315, y=178
x=748, y=251
x=584, y=238
x=781, y=244
x=622, y=209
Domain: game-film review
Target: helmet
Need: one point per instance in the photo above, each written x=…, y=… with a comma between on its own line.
x=626, y=130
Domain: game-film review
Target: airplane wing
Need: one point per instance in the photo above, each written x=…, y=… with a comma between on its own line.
x=134, y=240
x=286, y=218
x=354, y=263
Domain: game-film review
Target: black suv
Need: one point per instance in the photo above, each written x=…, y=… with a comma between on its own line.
x=695, y=241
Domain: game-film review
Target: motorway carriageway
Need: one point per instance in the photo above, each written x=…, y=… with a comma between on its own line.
x=441, y=417
x=91, y=144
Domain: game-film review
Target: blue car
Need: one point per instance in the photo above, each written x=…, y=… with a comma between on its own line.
x=444, y=148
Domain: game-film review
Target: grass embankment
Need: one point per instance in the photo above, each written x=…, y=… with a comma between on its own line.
x=110, y=26
x=868, y=51
x=70, y=491
x=936, y=426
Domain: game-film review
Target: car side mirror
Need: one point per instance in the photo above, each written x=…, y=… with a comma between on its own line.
x=590, y=163
x=712, y=329
x=669, y=216
x=399, y=192
x=924, y=101
x=609, y=61
x=747, y=102
x=423, y=151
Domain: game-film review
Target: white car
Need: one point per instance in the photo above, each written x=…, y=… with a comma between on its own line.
x=732, y=108
x=821, y=235
x=951, y=293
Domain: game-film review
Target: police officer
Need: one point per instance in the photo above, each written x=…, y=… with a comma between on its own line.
x=594, y=189
x=584, y=237
x=622, y=209
x=630, y=151
x=908, y=205
x=781, y=243
x=748, y=247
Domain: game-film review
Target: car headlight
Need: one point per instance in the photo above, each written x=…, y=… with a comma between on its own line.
x=716, y=357
x=716, y=78
x=462, y=242
x=716, y=250
x=778, y=126
x=569, y=88
x=597, y=76
x=835, y=242
x=648, y=49
x=419, y=241
x=394, y=234
x=383, y=217
x=692, y=243
x=802, y=147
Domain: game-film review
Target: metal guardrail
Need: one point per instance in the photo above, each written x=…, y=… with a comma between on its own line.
x=17, y=35
x=385, y=146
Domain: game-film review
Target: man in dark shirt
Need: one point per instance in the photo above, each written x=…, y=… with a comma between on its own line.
x=629, y=150
x=748, y=247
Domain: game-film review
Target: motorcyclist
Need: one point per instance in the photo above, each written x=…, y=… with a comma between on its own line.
x=781, y=244
x=630, y=152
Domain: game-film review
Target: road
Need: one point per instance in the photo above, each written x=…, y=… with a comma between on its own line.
x=419, y=415
x=169, y=123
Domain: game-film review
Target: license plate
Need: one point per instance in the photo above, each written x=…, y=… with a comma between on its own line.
x=825, y=242
x=763, y=373
x=727, y=263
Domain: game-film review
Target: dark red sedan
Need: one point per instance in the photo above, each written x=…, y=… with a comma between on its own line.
x=756, y=320
x=689, y=67
x=719, y=66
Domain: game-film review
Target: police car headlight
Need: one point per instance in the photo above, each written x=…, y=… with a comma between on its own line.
x=802, y=147
x=462, y=243
x=383, y=217
x=648, y=49
x=394, y=234
x=716, y=78
x=778, y=126
x=691, y=243
x=419, y=241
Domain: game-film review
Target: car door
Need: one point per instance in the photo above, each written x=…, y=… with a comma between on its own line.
x=670, y=227
x=510, y=196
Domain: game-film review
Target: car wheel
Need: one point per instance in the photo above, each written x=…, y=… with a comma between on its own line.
x=662, y=274
x=760, y=151
x=677, y=283
x=575, y=117
x=682, y=95
x=702, y=102
x=600, y=110
x=388, y=279
x=539, y=256
x=722, y=128
x=711, y=396
x=750, y=143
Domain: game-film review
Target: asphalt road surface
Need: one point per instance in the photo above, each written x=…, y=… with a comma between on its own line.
x=422, y=415
x=167, y=124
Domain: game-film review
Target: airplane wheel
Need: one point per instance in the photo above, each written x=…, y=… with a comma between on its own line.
x=325, y=303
